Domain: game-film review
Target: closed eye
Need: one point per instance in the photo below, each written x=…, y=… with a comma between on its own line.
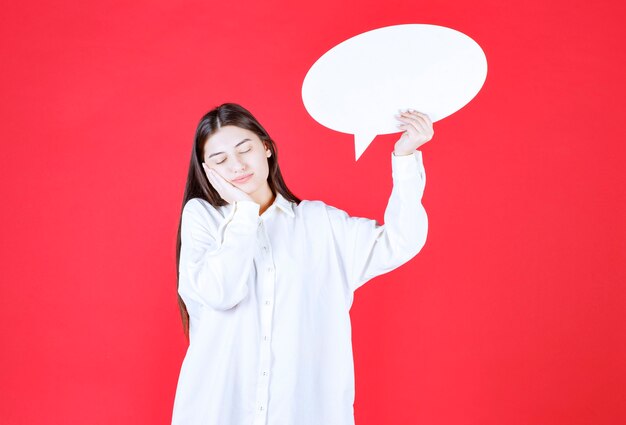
x=224, y=160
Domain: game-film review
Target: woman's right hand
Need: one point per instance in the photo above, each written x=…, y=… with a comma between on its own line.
x=226, y=190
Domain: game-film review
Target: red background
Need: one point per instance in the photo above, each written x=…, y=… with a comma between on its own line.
x=514, y=312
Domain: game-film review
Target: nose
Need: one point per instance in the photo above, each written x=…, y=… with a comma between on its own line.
x=238, y=166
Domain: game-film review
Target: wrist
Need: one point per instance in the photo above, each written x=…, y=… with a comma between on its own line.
x=398, y=152
x=246, y=204
x=245, y=200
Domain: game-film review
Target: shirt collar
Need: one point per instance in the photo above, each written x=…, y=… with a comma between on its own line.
x=285, y=205
x=279, y=202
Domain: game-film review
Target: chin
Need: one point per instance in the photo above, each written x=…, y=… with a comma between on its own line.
x=249, y=187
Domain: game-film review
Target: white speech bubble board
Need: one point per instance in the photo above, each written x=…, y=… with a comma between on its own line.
x=360, y=84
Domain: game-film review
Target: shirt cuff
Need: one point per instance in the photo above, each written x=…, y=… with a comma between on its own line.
x=244, y=215
x=406, y=167
x=246, y=211
x=241, y=212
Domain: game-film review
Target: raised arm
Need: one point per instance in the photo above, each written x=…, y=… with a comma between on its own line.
x=371, y=249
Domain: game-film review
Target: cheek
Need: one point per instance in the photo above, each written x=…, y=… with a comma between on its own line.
x=261, y=163
x=266, y=166
x=219, y=169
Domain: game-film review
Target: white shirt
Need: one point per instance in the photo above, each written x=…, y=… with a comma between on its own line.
x=269, y=298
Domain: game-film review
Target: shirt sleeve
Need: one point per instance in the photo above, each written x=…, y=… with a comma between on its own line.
x=370, y=249
x=215, y=262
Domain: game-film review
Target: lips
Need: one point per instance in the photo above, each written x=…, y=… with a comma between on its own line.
x=243, y=179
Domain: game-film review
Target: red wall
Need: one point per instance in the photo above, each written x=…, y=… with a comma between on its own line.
x=514, y=312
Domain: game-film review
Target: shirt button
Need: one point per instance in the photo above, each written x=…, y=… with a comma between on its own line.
x=267, y=302
x=265, y=337
x=264, y=373
x=270, y=270
x=265, y=248
x=261, y=408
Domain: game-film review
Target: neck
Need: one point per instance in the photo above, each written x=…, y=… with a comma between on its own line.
x=264, y=198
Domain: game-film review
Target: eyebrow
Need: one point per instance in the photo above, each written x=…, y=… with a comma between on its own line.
x=217, y=153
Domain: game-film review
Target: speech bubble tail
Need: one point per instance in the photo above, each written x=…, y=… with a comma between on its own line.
x=361, y=142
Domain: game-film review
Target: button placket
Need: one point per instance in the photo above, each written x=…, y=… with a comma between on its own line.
x=266, y=297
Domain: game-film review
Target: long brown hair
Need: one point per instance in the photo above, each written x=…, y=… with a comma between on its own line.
x=198, y=186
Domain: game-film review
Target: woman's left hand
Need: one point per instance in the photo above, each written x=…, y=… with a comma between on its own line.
x=418, y=129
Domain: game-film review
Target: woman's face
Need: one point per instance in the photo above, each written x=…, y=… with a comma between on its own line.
x=240, y=157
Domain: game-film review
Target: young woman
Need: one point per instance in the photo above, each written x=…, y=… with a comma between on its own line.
x=266, y=281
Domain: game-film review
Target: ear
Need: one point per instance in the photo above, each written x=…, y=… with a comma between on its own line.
x=268, y=152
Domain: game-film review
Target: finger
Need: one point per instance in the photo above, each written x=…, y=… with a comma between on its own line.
x=214, y=182
x=222, y=181
x=207, y=171
x=428, y=123
x=223, y=186
x=217, y=185
x=405, y=114
x=424, y=116
x=418, y=124
x=425, y=126
x=408, y=111
x=424, y=123
x=414, y=116
x=210, y=172
x=415, y=113
x=411, y=118
x=409, y=130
